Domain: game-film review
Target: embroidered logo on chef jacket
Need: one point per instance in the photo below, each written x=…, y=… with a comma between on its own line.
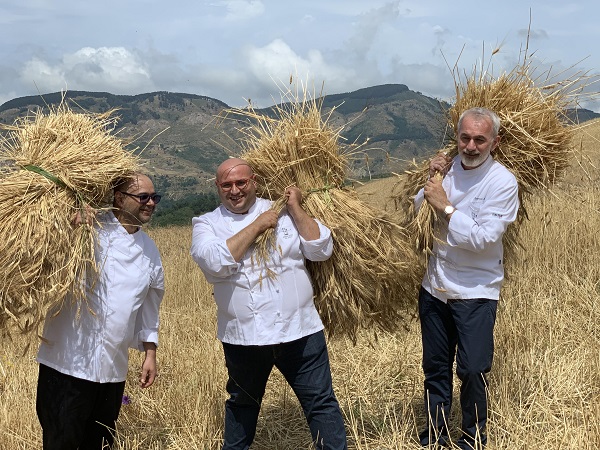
x=286, y=233
x=475, y=206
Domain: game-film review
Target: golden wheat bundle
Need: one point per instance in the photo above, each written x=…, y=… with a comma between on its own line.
x=535, y=142
x=58, y=163
x=370, y=279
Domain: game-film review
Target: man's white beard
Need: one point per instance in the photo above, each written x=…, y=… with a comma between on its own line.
x=470, y=163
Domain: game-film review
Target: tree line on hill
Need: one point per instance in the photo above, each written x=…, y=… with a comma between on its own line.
x=180, y=212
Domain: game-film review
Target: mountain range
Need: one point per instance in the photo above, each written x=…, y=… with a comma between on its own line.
x=182, y=140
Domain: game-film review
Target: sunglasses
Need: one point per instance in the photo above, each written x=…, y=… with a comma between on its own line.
x=240, y=184
x=144, y=198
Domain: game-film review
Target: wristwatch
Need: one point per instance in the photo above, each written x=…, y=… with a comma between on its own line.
x=448, y=210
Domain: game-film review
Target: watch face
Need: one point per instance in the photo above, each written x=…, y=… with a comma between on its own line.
x=449, y=209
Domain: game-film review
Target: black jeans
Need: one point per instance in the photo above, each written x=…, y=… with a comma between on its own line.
x=465, y=329
x=305, y=365
x=76, y=413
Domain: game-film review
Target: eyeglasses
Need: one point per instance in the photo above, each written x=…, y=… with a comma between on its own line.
x=240, y=184
x=144, y=198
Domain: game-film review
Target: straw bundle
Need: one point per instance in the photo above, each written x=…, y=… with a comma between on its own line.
x=370, y=279
x=58, y=163
x=535, y=142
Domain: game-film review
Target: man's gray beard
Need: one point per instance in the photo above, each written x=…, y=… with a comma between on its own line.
x=472, y=164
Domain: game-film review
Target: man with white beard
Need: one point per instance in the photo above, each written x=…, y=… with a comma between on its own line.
x=476, y=201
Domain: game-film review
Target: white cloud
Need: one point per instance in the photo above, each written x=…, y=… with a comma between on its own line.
x=533, y=34
x=369, y=25
x=45, y=77
x=112, y=69
x=276, y=62
x=307, y=18
x=235, y=49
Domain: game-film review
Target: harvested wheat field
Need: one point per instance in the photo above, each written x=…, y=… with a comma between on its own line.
x=545, y=381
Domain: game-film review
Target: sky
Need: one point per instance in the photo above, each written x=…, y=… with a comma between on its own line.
x=247, y=50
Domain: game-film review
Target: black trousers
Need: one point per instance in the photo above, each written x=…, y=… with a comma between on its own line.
x=75, y=413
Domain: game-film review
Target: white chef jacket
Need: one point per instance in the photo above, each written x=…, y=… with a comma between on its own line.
x=253, y=309
x=91, y=340
x=467, y=259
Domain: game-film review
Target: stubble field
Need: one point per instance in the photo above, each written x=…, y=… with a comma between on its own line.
x=544, y=384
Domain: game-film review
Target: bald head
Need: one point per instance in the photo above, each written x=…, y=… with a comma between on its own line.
x=228, y=165
x=236, y=185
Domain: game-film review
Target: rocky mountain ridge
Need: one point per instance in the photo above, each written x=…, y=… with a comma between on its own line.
x=182, y=139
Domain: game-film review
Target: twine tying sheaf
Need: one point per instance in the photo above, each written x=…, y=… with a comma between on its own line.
x=79, y=198
x=45, y=174
x=325, y=190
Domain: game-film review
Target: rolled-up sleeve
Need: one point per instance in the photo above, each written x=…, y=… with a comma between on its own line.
x=147, y=320
x=318, y=249
x=211, y=252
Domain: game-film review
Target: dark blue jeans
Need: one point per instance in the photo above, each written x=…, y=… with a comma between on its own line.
x=305, y=365
x=465, y=329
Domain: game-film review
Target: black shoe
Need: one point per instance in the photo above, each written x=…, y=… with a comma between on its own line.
x=466, y=442
x=434, y=439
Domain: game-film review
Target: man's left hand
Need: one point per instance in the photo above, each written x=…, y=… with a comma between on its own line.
x=293, y=196
x=306, y=225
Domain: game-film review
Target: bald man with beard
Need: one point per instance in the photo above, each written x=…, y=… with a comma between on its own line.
x=267, y=321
